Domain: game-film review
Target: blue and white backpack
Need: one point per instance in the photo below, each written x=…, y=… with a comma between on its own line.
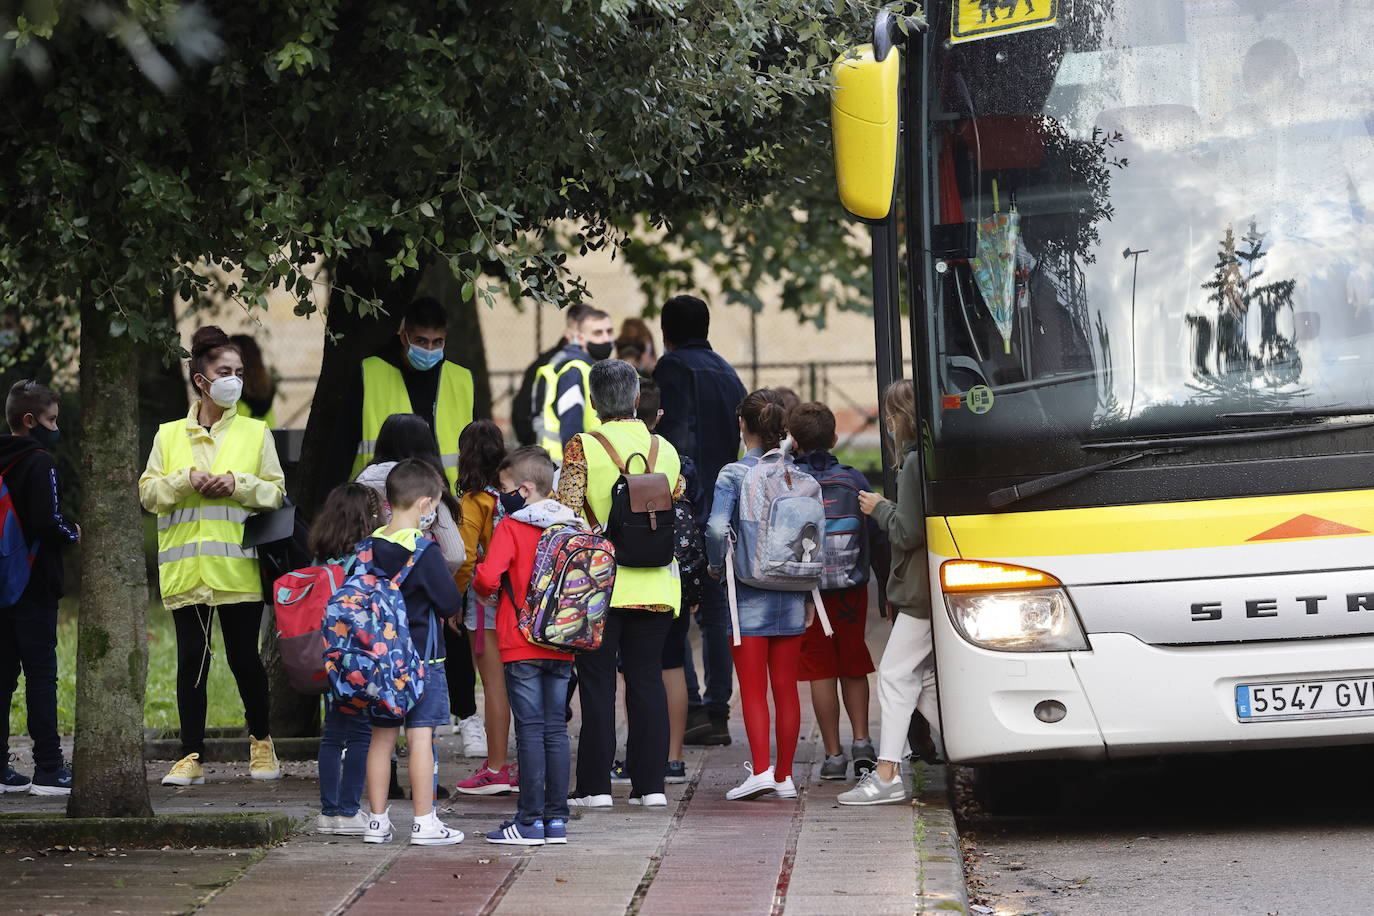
x=778, y=540
x=369, y=658
x=846, y=529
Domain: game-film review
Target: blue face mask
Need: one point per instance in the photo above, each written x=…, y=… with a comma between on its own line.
x=423, y=359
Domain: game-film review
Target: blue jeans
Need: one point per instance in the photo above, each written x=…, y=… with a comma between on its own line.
x=538, y=692
x=343, y=761
x=713, y=617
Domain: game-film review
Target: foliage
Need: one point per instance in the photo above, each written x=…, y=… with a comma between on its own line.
x=151, y=140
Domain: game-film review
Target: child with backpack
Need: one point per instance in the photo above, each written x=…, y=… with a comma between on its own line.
x=481, y=451
x=403, y=651
x=906, y=675
x=766, y=535
x=350, y=513
x=536, y=676
x=33, y=534
x=839, y=665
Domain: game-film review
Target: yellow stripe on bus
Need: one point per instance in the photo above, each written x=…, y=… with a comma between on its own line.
x=1157, y=526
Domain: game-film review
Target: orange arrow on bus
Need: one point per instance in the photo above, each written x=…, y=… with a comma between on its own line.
x=1306, y=526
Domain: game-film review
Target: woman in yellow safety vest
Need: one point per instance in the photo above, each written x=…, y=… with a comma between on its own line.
x=643, y=603
x=207, y=473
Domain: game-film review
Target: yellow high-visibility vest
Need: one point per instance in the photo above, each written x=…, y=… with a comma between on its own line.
x=633, y=587
x=551, y=375
x=200, y=541
x=270, y=418
x=384, y=393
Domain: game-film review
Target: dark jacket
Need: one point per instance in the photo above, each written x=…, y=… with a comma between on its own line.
x=428, y=587
x=37, y=496
x=700, y=392
x=423, y=388
x=523, y=408
x=570, y=399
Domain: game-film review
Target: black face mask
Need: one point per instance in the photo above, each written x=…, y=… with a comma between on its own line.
x=46, y=438
x=512, y=502
x=600, y=351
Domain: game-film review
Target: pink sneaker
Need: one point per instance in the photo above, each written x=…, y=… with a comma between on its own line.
x=487, y=781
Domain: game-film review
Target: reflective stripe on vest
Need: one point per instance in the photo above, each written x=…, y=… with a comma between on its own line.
x=632, y=586
x=384, y=393
x=200, y=541
x=553, y=439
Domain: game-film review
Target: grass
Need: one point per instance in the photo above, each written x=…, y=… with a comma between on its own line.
x=160, y=704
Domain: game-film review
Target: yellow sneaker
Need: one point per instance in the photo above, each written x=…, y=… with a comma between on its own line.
x=262, y=759
x=186, y=772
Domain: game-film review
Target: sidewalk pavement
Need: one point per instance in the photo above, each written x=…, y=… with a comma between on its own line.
x=702, y=854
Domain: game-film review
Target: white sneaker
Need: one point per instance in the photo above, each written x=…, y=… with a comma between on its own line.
x=757, y=784
x=474, y=735
x=378, y=828
x=430, y=831
x=785, y=789
x=872, y=789
x=351, y=826
x=652, y=800
x=591, y=801
x=326, y=823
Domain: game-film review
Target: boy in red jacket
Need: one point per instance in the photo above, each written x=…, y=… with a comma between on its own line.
x=536, y=678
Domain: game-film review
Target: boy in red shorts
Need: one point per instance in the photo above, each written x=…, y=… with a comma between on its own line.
x=839, y=665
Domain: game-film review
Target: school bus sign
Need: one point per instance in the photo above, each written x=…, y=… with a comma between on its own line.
x=975, y=19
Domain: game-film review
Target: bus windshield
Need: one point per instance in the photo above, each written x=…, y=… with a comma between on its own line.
x=1149, y=217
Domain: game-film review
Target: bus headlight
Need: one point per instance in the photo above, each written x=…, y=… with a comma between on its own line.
x=1039, y=620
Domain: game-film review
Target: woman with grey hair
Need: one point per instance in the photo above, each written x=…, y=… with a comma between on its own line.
x=643, y=605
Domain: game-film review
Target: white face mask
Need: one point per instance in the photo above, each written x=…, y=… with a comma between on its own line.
x=226, y=391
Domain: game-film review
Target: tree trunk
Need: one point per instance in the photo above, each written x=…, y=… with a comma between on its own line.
x=350, y=338
x=112, y=633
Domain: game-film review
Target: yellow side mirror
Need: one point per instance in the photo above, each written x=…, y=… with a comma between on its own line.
x=864, y=122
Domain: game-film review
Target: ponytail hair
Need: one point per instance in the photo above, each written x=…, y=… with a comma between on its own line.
x=206, y=344
x=765, y=416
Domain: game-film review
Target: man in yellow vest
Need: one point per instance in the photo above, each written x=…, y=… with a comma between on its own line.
x=643, y=605
x=410, y=375
x=527, y=407
x=567, y=392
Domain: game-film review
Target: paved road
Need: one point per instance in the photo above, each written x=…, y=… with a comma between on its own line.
x=1277, y=833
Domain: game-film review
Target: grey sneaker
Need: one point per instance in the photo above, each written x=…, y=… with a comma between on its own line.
x=836, y=766
x=872, y=790
x=865, y=757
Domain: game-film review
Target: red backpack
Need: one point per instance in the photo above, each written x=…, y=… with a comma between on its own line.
x=16, y=556
x=299, y=600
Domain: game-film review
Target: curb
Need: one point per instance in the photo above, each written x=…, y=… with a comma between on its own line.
x=940, y=865
x=237, y=830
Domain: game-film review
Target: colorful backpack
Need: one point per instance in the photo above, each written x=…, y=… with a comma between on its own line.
x=777, y=542
x=370, y=660
x=570, y=590
x=846, y=532
x=300, y=600
x=16, y=556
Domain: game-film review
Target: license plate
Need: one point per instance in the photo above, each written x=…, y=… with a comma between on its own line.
x=1305, y=699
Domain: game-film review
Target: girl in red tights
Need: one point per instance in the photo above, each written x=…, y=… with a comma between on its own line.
x=770, y=623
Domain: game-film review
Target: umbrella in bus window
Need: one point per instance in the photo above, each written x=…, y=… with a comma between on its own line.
x=994, y=269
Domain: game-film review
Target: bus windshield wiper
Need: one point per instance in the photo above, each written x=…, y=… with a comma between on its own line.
x=1008, y=495
x=1249, y=435
x=1296, y=412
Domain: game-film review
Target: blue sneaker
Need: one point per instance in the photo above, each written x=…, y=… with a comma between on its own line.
x=514, y=833
x=619, y=776
x=52, y=782
x=556, y=831
x=11, y=780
